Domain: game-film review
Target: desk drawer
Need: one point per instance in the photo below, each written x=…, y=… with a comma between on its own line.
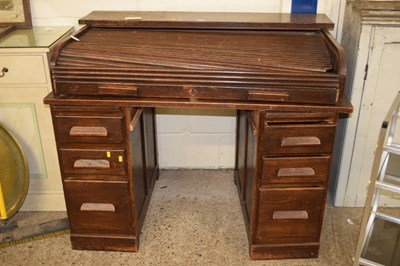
x=85, y=161
x=298, y=139
x=213, y=91
x=89, y=129
x=290, y=215
x=22, y=69
x=98, y=207
x=285, y=170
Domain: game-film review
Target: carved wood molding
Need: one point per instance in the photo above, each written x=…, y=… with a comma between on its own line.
x=378, y=12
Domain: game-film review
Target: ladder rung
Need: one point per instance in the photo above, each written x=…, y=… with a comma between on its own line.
x=387, y=186
x=392, y=149
x=368, y=262
x=387, y=217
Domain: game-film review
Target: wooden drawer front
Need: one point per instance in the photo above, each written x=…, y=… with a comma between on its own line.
x=95, y=88
x=195, y=92
x=298, y=139
x=98, y=207
x=95, y=177
x=86, y=129
x=290, y=215
x=101, y=162
x=26, y=69
x=283, y=170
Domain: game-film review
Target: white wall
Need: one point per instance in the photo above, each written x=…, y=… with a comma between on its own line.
x=58, y=12
x=186, y=138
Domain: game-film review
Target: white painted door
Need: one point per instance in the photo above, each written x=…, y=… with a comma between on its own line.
x=371, y=98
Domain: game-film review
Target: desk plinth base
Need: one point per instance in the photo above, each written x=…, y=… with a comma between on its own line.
x=287, y=251
x=106, y=243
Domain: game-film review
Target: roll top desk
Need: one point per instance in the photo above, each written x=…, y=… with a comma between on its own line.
x=284, y=74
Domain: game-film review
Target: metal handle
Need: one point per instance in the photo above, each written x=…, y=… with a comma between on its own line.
x=300, y=141
x=299, y=171
x=288, y=215
x=88, y=132
x=3, y=72
x=89, y=163
x=100, y=207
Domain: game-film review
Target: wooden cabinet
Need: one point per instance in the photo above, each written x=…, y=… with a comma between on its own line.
x=108, y=170
x=284, y=174
x=371, y=38
x=33, y=67
x=24, y=53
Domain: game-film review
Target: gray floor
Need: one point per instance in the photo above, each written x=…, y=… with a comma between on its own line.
x=194, y=218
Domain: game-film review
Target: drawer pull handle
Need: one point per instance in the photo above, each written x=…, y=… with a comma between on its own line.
x=3, y=72
x=135, y=119
x=118, y=89
x=268, y=96
x=300, y=141
x=300, y=171
x=88, y=132
x=99, y=207
x=284, y=215
x=87, y=163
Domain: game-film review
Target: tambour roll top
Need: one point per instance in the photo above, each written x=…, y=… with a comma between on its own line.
x=171, y=55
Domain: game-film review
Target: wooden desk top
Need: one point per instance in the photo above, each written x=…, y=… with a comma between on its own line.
x=207, y=20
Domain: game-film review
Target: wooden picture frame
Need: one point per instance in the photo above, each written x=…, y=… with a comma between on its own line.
x=15, y=13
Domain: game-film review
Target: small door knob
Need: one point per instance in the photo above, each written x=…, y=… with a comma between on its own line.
x=3, y=72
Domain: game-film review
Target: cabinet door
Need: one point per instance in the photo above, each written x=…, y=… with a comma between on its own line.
x=22, y=111
x=371, y=99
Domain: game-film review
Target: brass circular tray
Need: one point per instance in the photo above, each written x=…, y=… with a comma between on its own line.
x=14, y=172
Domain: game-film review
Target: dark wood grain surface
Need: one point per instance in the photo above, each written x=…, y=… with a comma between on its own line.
x=275, y=66
x=206, y=20
x=343, y=106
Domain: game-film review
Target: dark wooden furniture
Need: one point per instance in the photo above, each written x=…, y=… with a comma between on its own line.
x=283, y=73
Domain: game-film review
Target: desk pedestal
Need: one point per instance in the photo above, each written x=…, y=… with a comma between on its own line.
x=108, y=160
